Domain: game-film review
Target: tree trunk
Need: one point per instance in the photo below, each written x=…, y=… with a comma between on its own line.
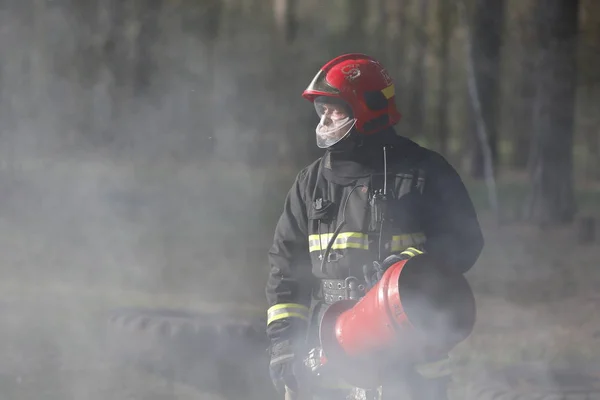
x=444, y=12
x=521, y=93
x=202, y=22
x=551, y=200
x=355, y=31
x=417, y=106
x=522, y=128
x=38, y=56
x=397, y=30
x=145, y=64
x=402, y=42
x=486, y=41
x=378, y=24
x=395, y=27
x=392, y=32
x=286, y=18
x=481, y=130
x=116, y=50
x=589, y=56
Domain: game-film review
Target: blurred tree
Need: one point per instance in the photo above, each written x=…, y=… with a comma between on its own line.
x=478, y=117
x=589, y=84
x=203, y=20
x=488, y=20
x=38, y=54
x=286, y=19
x=355, y=31
x=403, y=22
x=395, y=41
x=517, y=83
x=417, y=106
x=147, y=13
x=117, y=52
x=115, y=45
x=378, y=25
x=551, y=200
x=445, y=31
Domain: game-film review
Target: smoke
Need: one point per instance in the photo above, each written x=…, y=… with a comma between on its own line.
x=126, y=181
x=136, y=155
x=536, y=330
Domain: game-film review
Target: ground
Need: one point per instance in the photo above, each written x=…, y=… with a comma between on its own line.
x=82, y=241
x=52, y=341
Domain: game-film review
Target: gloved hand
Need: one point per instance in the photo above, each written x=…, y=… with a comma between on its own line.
x=284, y=366
x=374, y=274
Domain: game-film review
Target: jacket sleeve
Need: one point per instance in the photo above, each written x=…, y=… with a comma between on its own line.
x=289, y=281
x=451, y=225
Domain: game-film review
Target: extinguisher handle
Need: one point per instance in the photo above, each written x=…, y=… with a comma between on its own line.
x=372, y=274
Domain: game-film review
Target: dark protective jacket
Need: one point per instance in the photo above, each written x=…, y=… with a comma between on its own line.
x=428, y=207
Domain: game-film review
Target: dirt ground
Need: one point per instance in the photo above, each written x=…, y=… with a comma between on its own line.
x=82, y=241
x=536, y=295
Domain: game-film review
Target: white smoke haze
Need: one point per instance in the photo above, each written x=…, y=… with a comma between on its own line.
x=533, y=310
x=113, y=197
x=140, y=174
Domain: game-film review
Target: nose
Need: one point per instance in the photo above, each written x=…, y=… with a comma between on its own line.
x=326, y=118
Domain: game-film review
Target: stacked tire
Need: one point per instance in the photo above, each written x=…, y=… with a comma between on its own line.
x=226, y=355
x=214, y=353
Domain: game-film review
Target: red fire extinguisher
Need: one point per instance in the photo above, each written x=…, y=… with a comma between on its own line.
x=417, y=310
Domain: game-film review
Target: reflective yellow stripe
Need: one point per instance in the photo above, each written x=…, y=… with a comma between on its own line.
x=389, y=91
x=345, y=240
x=286, y=310
x=408, y=253
x=403, y=242
x=411, y=251
x=358, y=240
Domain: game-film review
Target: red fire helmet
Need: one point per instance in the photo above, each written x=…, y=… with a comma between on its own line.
x=364, y=84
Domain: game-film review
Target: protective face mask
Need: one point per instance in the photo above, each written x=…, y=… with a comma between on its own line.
x=335, y=122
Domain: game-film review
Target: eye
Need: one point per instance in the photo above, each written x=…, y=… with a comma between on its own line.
x=338, y=114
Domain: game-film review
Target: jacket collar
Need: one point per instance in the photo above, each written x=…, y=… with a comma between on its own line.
x=362, y=157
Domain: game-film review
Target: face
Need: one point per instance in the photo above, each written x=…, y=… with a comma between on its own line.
x=335, y=122
x=333, y=113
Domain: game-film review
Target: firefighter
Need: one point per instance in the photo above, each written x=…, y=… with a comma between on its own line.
x=373, y=198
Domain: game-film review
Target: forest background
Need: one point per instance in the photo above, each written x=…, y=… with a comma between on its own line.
x=146, y=147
